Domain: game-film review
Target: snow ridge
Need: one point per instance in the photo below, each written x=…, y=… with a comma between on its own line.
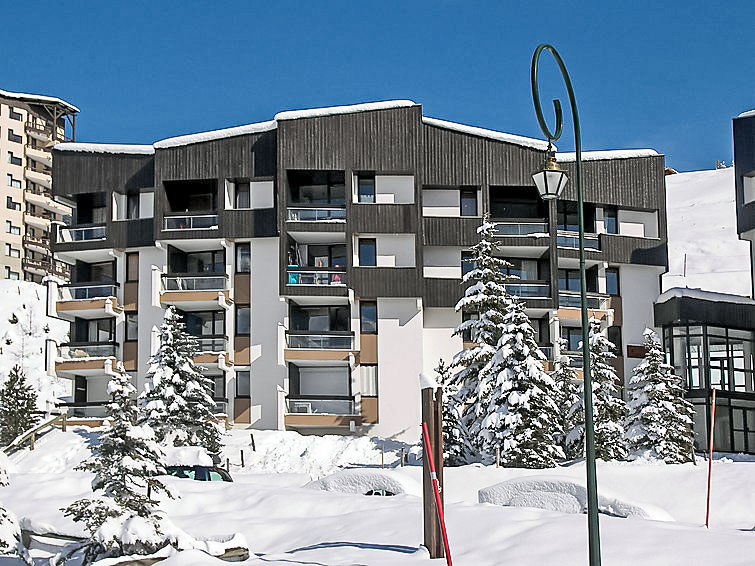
x=485, y=133
x=349, y=109
x=567, y=157
x=106, y=148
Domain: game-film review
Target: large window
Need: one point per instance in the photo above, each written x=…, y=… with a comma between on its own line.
x=243, y=384
x=573, y=337
x=367, y=252
x=568, y=280
x=243, y=320
x=467, y=262
x=132, y=266
x=95, y=330
x=612, y=281
x=610, y=220
x=467, y=335
x=243, y=258
x=468, y=202
x=132, y=328
x=524, y=269
x=366, y=187
x=218, y=387
x=205, y=323
x=317, y=187
x=243, y=195
x=212, y=261
x=316, y=319
x=368, y=317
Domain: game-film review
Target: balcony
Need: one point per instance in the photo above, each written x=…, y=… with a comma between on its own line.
x=315, y=276
x=211, y=344
x=86, y=350
x=87, y=300
x=316, y=214
x=86, y=359
x=91, y=412
x=570, y=303
x=46, y=267
x=39, y=155
x=39, y=131
x=195, y=291
x=41, y=220
x=527, y=290
x=44, y=199
x=40, y=245
x=81, y=234
x=570, y=240
x=307, y=412
x=524, y=228
x=191, y=222
x=39, y=177
x=312, y=341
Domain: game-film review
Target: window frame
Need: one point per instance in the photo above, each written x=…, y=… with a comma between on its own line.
x=248, y=381
x=366, y=242
x=129, y=325
x=129, y=274
x=239, y=247
x=362, y=318
x=366, y=177
x=467, y=191
x=618, y=281
x=237, y=193
x=611, y=213
x=248, y=330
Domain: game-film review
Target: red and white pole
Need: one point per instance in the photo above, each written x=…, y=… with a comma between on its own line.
x=438, y=502
x=710, y=457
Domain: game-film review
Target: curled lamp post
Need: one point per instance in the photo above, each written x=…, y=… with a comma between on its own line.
x=550, y=182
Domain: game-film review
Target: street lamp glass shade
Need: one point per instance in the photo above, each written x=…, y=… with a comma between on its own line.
x=550, y=183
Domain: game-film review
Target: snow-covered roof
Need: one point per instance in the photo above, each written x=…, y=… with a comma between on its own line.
x=255, y=128
x=350, y=109
x=747, y=114
x=484, y=133
x=105, y=148
x=678, y=292
x=38, y=98
x=606, y=154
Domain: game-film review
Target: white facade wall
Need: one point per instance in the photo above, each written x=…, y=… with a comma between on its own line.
x=441, y=202
x=395, y=250
x=151, y=314
x=394, y=189
x=17, y=194
x=261, y=194
x=638, y=223
x=442, y=262
x=437, y=340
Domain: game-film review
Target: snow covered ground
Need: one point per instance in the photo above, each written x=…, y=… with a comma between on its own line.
x=702, y=226
x=288, y=522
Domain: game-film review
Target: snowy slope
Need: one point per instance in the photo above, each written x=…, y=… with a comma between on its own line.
x=23, y=343
x=702, y=224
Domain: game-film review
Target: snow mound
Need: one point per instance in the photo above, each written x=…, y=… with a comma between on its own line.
x=562, y=494
x=186, y=456
x=361, y=481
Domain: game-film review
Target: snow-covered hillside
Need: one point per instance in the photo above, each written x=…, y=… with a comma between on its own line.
x=24, y=328
x=702, y=224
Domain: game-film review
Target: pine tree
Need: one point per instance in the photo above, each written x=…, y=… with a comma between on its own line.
x=660, y=418
x=178, y=398
x=522, y=416
x=456, y=444
x=18, y=401
x=125, y=464
x=10, y=530
x=567, y=399
x=486, y=300
x=609, y=410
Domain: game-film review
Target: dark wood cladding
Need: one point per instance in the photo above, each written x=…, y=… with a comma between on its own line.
x=314, y=290
x=631, y=249
x=131, y=233
x=446, y=231
x=77, y=172
x=382, y=218
x=372, y=282
x=447, y=293
x=744, y=164
x=258, y=223
x=691, y=310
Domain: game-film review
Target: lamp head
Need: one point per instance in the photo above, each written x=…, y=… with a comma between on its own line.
x=550, y=182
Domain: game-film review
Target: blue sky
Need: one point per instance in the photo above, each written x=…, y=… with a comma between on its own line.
x=670, y=78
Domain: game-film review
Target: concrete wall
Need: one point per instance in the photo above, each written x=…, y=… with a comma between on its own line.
x=638, y=223
x=394, y=189
x=150, y=314
x=437, y=340
x=440, y=202
x=395, y=250
x=443, y=262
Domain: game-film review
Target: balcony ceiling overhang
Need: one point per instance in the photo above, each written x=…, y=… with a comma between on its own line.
x=319, y=237
x=198, y=245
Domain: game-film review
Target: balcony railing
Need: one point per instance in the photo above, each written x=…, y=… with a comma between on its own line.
x=86, y=410
x=30, y=241
x=573, y=299
x=221, y=407
x=571, y=240
x=82, y=234
x=316, y=214
x=210, y=344
x=191, y=222
x=298, y=276
x=76, y=291
x=521, y=228
x=39, y=128
x=320, y=406
x=547, y=352
x=575, y=358
x=320, y=341
x=53, y=268
x=84, y=350
x=208, y=282
x=529, y=290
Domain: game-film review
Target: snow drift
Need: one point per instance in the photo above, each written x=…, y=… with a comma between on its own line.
x=555, y=493
x=361, y=481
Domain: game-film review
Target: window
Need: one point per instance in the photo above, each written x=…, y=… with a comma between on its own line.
x=132, y=206
x=573, y=337
x=205, y=323
x=10, y=274
x=132, y=331
x=568, y=280
x=367, y=252
x=524, y=269
x=132, y=266
x=243, y=384
x=218, y=388
x=614, y=337
x=11, y=229
x=13, y=114
x=15, y=183
x=13, y=160
x=366, y=187
x=368, y=317
x=369, y=376
x=317, y=187
x=10, y=203
x=14, y=137
x=567, y=216
x=315, y=318
x=466, y=335
x=610, y=220
x=468, y=202
x=467, y=262
x=243, y=320
x=612, y=281
x=243, y=258
x=243, y=195
x=12, y=252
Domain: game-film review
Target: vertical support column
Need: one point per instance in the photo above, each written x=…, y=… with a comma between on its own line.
x=432, y=407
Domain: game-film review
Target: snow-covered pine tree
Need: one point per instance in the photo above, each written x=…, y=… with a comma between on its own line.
x=10, y=530
x=566, y=394
x=660, y=418
x=178, y=398
x=486, y=301
x=18, y=401
x=522, y=416
x=125, y=464
x=456, y=445
x=609, y=409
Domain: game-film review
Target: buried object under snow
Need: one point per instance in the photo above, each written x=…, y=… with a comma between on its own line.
x=562, y=494
x=367, y=481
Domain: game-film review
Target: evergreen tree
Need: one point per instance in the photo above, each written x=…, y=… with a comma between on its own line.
x=522, y=416
x=18, y=401
x=609, y=410
x=485, y=301
x=660, y=418
x=178, y=398
x=456, y=444
x=566, y=395
x=10, y=530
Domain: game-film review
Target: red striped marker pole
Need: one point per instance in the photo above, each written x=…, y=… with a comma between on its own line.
x=438, y=503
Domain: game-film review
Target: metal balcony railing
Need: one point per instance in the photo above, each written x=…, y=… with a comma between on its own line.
x=82, y=234
x=194, y=282
x=573, y=299
x=85, y=350
x=571, y=240
x=85, y=410
x=76, y=291
x=529, y=290
x=221, y=407
x=316, y=214
x=210, y=344
x=320, y=341
x=520, y=228
x=308, y=406
x=191, y=222
x=297, y=276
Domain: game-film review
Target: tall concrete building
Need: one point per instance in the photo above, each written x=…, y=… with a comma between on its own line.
x=318, y=257
x=30, y=125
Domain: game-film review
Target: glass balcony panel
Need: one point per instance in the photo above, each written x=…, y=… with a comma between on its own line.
x=194, y=283
x=75, y=292
x=319, y=277
x=207, y=344
x=82, y=234
x=320, y=406
x=520, y=228
x=571, y=240
x=320, y=342
x=191, y=222
x=529, y=290
x=573, y=299
x=73, y=351
x=316, y=214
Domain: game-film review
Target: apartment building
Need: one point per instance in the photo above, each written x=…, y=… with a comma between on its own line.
x=318, y=257
x=29, y=126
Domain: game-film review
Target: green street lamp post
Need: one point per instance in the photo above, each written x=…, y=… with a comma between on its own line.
x=550, y=182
